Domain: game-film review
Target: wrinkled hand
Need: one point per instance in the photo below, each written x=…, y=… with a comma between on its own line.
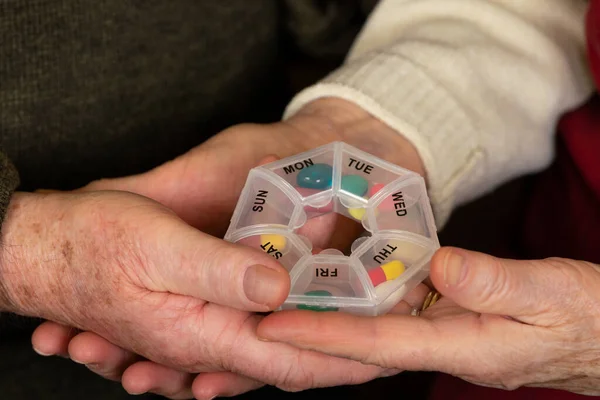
x=501, y=323
x=128, y=269
x=202, y=187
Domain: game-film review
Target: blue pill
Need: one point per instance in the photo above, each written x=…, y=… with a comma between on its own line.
x=355, y=184
x=316, y=176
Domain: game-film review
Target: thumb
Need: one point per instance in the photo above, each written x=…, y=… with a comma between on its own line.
x=140, y=184
x=192, y=263
x=490, y=285
x=151, y=183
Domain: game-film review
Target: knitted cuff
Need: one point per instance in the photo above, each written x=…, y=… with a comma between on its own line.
x=400, y=94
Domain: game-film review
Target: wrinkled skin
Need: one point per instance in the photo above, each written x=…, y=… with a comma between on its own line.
x=207, y=345
x=501, y=323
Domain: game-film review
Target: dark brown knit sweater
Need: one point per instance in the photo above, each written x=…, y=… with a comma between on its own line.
x=101, y=88
x=92, y=89
x=107, y=88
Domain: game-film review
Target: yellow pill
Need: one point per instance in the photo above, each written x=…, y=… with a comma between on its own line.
x=393, y=269
x=277, y=241
x=386, y=272
x=357, y=213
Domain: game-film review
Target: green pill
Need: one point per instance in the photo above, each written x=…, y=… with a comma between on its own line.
x=318, y=293
x=316, y=308
x=316, y=176
x=355, y=184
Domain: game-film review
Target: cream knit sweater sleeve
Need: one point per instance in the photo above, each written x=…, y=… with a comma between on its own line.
x=476, y=85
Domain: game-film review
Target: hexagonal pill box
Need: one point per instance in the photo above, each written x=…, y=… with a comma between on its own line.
x=391, y=202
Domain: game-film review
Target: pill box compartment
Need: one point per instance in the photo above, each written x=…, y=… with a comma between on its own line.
x=284, y=246
x=328, y=282
x=362, y=175
x=311, y=175
x=266, y=201
x=395, y=262
x=402, y=205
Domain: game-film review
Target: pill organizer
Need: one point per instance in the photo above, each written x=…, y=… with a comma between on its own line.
x=391, y=202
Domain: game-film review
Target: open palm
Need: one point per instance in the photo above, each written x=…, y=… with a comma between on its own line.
x=501, y=323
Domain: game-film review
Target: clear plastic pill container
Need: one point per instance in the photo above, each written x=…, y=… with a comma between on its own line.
x=390, y=202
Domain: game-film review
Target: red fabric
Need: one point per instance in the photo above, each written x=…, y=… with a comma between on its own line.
x=563, y=217
x=450, y=388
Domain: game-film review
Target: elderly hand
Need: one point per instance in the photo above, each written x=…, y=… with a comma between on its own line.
x=131, y=271
x=501, y=323
x=202, y=187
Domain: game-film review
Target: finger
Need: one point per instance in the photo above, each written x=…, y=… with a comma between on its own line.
x=46, y=191
x=222, y=384
x=100, y=356
x=485, y=284
x=268, y=159
x=380, y=341
x=400, y=342
x=148, y=377
x=132, y=183
x=278, y=364
x=202, y=266
x=135, y=183
x=51, y=338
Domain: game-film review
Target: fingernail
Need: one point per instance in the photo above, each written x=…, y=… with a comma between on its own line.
x=137, y=393
x=261, y=283
x=41, y=353
x=455, y=269
x=389, y=372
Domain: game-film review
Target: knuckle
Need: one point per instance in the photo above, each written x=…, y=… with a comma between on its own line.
x=564, y=273
x=495, y=284
x=377, y=353
x=511, y=383
x=510, y=377
x=295, y=378
x=292, y=374
x=215, y=259
x=373, y=355
x=215, y=270
x=231, y=339
x=570, y=281
x=153, y=337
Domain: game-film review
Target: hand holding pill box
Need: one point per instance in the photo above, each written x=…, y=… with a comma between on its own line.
x=390, y=202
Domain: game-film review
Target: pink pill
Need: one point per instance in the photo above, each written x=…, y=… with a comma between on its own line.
x=376, y=188
x=387, y=204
